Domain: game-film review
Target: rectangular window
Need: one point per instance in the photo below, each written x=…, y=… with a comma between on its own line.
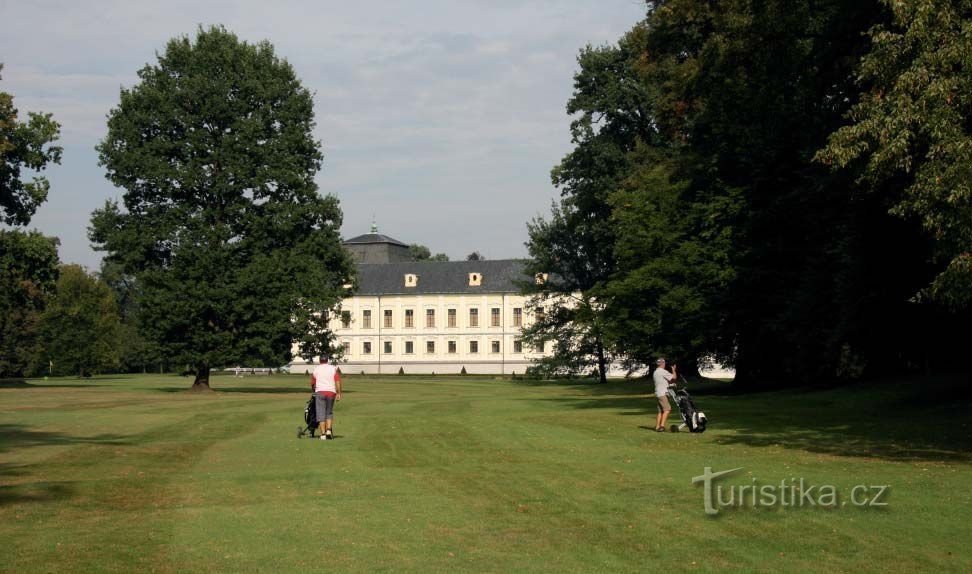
x=538, y=348
x=409, y=347
x=517, y=316
x=540, y=315
x=473, y=346
x=495, y=346
x=345, y=319
x=474, y=317
x=388, y=347
x=346, y=347
x=388, y=318
x=494, y=317
x=452, y=346
x=430, y=318
x=366, y=319
x=366, y=348
x=409, y=318
x=430, y=347
x=452, y=318
x=517, y=346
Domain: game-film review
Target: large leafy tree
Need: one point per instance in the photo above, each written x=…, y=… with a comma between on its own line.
x=24, y=146
x=136, y=352
x=81, y=329
x=575, y=245
x=673, y=250
x=28, y=275
x=222, y=226
x=743, y=94
x=910, y=136
x=28, y=261
x=565, y=307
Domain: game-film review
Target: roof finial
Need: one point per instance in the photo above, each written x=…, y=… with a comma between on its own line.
x=374, y=226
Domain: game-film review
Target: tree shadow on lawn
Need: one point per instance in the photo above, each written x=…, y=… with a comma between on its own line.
x=23, y=384
x=35, y=492
x=898, y=421
x=13, y=437
x=216, y=390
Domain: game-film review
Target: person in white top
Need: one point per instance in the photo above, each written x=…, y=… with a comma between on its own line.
x=662, y=379
x=326, y=384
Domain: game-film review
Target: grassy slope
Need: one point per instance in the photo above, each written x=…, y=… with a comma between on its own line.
x=119, y=474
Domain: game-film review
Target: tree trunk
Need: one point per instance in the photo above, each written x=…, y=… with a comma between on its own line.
x=202, y=378
x=601, y=362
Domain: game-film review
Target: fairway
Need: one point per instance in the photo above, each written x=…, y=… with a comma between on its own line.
x=123, y=474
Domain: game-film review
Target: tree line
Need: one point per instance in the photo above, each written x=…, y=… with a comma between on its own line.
x=783, y=187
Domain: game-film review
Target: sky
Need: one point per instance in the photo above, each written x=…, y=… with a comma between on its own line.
x=440, y=121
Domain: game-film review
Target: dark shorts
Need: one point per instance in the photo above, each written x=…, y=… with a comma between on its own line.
x=663, y=406
x=324, y=405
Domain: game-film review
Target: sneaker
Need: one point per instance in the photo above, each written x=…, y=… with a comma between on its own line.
x=323, y=437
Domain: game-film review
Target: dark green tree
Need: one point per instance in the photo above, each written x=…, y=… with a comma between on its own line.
x=423, y=253
x=475, y=256
x=911, y=133
x=80, y=328
x=672, y=250
x=575, y=247
x=137, y=354
x=743, y=95
x=235, y=253
x=28, y=275
x=566, y=311
x=24, y=146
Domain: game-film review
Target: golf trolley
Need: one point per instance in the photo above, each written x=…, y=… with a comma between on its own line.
x=310, y=419
x=692, y=417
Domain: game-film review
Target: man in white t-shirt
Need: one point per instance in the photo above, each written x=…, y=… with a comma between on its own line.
x=662, y=379
x=326, y=384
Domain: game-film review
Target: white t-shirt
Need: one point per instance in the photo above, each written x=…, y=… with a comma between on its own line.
x=661, y=378
x=324, y=378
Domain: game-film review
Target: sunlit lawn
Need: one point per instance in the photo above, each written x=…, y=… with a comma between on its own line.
x=126, y=474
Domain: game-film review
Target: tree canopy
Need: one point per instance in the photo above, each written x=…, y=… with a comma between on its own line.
x=235, y=252
x=910, y=135
x=24, y=146
x=28, y=275
x=715, y=206
x=81, y=329
x=422, y=253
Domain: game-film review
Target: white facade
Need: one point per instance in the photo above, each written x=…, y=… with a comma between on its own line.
x=416, y=333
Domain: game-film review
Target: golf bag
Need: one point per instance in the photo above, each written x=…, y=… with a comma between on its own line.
x=692, y=417
x=310, y=419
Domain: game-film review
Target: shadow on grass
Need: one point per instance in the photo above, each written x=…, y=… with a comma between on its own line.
x=35, y=492
x=17, y=436
x=216, y=390
x=917, y=419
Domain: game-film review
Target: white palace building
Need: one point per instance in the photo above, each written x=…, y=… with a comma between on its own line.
x=424, y=317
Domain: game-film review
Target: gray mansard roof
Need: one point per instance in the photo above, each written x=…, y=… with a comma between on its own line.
x=440, y=277
x=370, y=238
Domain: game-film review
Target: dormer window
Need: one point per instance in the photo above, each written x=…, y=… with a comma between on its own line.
x=540, y=278
x=475, y=279
x=411, y=280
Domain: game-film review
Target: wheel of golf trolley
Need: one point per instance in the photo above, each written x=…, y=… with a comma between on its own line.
x=300, y=432
x=674, y=428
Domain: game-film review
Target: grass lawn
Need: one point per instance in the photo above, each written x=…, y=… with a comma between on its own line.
x=125, y=474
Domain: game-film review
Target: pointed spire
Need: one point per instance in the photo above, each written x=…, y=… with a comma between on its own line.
x=374, y=226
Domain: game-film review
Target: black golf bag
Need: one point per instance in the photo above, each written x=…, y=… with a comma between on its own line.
x=692, y=417
x=310, y=419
